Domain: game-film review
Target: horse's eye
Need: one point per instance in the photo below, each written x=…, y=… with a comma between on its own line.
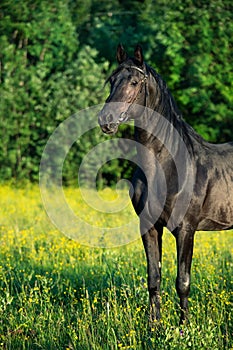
x=134, y=82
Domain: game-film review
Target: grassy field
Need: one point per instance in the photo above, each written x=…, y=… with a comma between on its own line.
x=56, y=294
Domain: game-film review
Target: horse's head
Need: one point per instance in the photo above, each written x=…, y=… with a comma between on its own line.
x=127, y=90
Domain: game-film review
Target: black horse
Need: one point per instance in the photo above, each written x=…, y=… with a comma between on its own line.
x=183, y=182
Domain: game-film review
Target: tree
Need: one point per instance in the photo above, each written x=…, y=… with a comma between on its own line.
x=196, y=43
x=45, y=78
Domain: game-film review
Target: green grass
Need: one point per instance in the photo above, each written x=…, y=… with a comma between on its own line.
x=56, y=294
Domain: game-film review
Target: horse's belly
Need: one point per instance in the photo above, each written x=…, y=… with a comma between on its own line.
x=217, y=216
x=212, y=225
x=217, y=208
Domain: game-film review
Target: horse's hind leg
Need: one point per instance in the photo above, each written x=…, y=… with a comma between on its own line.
x=152, y=241
x=184, y=242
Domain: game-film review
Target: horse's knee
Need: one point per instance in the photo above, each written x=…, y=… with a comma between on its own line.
x=153, y=282
x=183, y=286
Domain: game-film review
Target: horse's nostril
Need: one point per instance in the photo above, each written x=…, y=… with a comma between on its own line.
x=109, y=118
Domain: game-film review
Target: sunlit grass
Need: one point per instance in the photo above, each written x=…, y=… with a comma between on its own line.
x=57, y=294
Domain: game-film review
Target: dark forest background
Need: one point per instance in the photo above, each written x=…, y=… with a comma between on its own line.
x=56, y=55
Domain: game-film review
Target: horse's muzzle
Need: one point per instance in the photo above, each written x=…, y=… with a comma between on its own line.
x=107, y=123
x=109, y=129
x=109, y=119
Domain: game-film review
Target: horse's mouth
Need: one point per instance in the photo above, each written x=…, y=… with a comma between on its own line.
x=109, y=129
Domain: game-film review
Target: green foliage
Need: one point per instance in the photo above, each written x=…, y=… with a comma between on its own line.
x=32, y=50
x=55, y=56
x=197, y=41
x=46, y=77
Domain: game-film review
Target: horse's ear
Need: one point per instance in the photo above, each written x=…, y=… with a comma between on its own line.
x=138, y=54
x=121, y=54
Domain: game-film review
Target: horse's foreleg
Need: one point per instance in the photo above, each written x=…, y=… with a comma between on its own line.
x=184, y=242
x=152, y=241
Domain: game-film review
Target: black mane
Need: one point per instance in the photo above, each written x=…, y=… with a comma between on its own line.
x=168, y=103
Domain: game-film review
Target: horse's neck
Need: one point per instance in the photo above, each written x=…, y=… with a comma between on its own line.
x=157, y=128
x=161, y=128
x=163, y=153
